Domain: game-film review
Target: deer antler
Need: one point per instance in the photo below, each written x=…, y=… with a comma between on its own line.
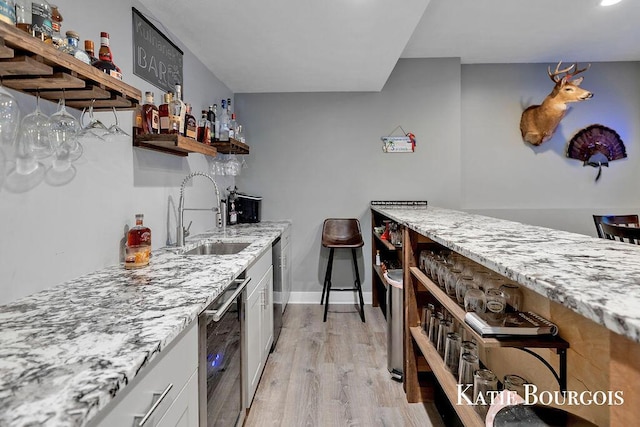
x=554, y=76
x=572, y=75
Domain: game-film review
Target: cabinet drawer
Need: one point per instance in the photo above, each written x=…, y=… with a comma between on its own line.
x=258, y=270
x=174, y=366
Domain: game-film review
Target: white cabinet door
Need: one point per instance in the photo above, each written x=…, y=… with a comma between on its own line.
x=184, y=410
x=267, y=313
x=253, y=344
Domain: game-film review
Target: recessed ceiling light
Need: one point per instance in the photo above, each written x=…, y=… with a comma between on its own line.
x=609, y=2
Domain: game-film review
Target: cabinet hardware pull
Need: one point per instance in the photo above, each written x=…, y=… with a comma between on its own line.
x=146, y=416
x=217, y=314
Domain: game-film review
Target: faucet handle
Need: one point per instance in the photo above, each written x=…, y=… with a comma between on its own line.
x=186, y=230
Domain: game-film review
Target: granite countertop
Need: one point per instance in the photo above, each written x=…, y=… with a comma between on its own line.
x=597, y=278
x=69, y=350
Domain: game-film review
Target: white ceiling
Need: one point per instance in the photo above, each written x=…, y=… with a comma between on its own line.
x=353, y=45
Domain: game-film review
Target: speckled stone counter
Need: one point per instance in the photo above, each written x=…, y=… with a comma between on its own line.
x=597, y=278
x=67, y=351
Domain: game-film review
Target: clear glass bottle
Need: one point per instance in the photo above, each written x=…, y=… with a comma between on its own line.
x=211, y=117
x=216, y=123
x=138, y=250
x=23, y=15
x=183, y=110
x=224, y=122
x=191, y=124
x=72, y=47
x=41, y=21
x=150, y=115
x=175, y=112
x=105, y=58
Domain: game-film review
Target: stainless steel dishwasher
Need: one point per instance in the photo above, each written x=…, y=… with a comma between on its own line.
x=220, y=362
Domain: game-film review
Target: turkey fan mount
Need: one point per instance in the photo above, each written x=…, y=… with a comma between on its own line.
x=596, y=146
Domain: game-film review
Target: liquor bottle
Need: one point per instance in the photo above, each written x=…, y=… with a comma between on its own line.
x=8, y=12
x=191, y=124
x=71, y=47
x=150, y=116
x=105, y=58
x=89, y=48
x=211, y=119
x=183, y=109
x=164, y=112
x=56, y=25
x=23, y=15
x=41, y=20
x=216, y=123
x=138, y=250
x=176, y=108
x=204, y=129
x=232, y=127
x=137, y=120
x=224, y=122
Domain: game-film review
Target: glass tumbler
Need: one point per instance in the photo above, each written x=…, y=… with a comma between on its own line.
x=515, y=383
x=443, y=329
x=469, y=363
x=513, y=295
x=452, y=352
x=475, y=300
x=484, y=382
x=464, y=283
x=434, y=322
x=496, y=306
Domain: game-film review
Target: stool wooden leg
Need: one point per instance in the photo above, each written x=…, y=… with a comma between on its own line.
x=358, y=284
x=327, y=284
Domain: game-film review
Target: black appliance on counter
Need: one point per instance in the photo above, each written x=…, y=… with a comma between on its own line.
x=248, y=208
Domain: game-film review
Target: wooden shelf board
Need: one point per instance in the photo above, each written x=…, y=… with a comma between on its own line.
x=34, y=57
x=467, y=413
x=233, y=146
x=378, y=271
x=387, y=244
x=542, y=341
x=55, y=81
x=173, y=144
x=102, y=104
x=86, y=93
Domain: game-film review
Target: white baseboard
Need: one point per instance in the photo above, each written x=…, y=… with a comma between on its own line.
x=336, y=297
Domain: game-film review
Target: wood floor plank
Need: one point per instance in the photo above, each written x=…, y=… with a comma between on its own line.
x=333, y=374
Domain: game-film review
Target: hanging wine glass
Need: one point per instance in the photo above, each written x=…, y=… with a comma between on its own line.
x=95, y=127
x=35, y=132
x=63, y=133
x=9, y=123
x=28, y=171
x=115, y=129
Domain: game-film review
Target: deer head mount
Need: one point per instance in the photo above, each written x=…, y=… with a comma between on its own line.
x=539, y=122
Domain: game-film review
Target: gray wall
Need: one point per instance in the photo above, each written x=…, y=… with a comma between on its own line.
x=52, y=234
x=315, y=156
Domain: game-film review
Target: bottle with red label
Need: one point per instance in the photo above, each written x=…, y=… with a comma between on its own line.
x=138, y=250
x=105, y=58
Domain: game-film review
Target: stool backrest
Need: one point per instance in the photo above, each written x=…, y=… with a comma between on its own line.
x=614, y=219
x=341, y=233
x=621, y=233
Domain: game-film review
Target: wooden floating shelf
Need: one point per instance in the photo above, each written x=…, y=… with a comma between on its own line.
x=233, y=146
x=27, y=64
x=387, y=244
x=177, y=145
x=378, y=270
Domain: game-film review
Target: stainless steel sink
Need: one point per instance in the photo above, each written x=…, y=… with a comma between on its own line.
x=217, y=248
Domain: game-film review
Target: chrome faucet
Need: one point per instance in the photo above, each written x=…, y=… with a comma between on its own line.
x=218, y=209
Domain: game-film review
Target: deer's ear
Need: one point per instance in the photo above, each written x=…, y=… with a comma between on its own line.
x=563, y=81
x=577, y=81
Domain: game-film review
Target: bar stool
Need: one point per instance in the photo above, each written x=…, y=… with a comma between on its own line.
x=341, y=233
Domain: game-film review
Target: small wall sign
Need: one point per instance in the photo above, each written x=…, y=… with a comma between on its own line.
x=398, y=144
x=155, y=58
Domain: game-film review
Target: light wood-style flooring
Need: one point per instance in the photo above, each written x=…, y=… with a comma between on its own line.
x=333, y=374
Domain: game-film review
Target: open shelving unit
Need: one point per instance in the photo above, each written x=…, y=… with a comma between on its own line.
x=29, y=65
x=177, y=145
x=233, y=146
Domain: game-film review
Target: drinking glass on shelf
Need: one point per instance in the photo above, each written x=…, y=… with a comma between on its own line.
x=9, y=123
x=496, y=306
x=450, y=279
x=34, y=129
x=469, y=363
x=513, y=295
x=443, y=329
x=484, y=382
x=63, y=133
x=28, y=171
x=515, y=383
x=452, y=352
x=475, y=300
x=115, y=129
x=434, y=324
x=463, y=284
x=95, y=128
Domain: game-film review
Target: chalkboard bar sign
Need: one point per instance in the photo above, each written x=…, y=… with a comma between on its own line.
x=156, y=59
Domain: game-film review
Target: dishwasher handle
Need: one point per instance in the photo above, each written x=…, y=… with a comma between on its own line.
x=219, y=313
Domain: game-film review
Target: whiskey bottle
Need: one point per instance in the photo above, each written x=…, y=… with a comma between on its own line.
x=105, y=58
x=89, y=48
x=165, y=114
x=138, y=250
x=137, y=120
x=150, y=116
x=56, y=25
x=23, y=15
x=191, y=125
x=204, y=128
